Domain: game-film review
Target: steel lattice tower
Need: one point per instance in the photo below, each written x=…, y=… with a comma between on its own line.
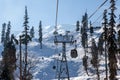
x=63, y=71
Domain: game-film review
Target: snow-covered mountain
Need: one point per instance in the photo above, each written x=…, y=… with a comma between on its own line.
x=44, y=59
x=47, y=55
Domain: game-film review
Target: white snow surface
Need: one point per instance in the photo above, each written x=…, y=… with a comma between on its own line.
x=45, y=58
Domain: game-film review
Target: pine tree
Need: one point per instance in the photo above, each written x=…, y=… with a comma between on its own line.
x=9, y=55
x=112, y=47
x=84, y=28
x=9, y=59
x=8, y=31
x=94, y=60
x=85, y=63
x=118, y=26
x=7, y=38
x=32, y=32
x=100, y=44
x=94, y=52
x=40, y=34
x=91, y=29
x=77, y=26
x=25, y=38
x=5, y=75
x=104, y=39
x=84, y=40
x=103, y=36
x=3, y=32
x=86, y=21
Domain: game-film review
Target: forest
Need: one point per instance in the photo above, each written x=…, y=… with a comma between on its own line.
x=87, y=50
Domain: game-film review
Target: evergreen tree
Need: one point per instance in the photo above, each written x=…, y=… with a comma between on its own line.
x=100, y=44
x=40, y=34
x=77, y=25
x=9, y=54
x=7, y=38
x=84, y=28
x=9, y=60
x=84, y=40
x=118, y=26
x=85, y=63
x=119, y=39
x=91, y=29
x=8, y=31
x=32, y=32
x=3, y=32
x=104, y=39
x=25, y=38
x=112, y=47
x=94, y=52
x=5, y=75
x=86, y=21
x=94, y=60
x=103, y=36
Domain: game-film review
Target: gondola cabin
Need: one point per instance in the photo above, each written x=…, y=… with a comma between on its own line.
x=74, y=53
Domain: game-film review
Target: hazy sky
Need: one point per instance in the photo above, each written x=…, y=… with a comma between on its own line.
x=69, y=11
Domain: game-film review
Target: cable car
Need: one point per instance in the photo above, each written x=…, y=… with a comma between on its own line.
x=74, y=53
x=54, y=67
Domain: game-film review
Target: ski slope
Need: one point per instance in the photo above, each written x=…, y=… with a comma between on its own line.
x=44, y=59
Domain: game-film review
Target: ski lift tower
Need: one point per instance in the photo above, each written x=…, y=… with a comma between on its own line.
x=63, y=72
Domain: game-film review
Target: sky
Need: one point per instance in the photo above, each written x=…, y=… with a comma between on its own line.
x=45, y=10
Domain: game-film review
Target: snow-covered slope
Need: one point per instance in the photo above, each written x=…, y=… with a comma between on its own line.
x=44, y=59
x=47, y=55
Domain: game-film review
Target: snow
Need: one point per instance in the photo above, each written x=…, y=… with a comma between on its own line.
x=45, y=58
